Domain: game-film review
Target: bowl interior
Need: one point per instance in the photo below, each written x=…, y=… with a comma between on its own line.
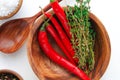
x=45, y=69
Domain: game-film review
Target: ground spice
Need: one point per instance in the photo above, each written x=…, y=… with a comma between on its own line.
x=8, y=76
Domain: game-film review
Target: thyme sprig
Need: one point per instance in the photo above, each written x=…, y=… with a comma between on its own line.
x=82, y=34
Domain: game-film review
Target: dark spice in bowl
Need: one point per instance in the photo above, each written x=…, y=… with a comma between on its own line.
x=8, y=76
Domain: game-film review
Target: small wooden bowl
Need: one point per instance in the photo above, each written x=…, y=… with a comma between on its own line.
x=45, y=69
x=11, y=72
x=14, y=12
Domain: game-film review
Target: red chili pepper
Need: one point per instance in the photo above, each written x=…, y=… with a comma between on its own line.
x=55, y=5
x=64, y=38
x=54, y=34
x=55, y=57
x=61, y=16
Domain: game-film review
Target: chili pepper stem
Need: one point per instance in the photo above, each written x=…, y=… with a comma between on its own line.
x=42, y=28
x=52, y=0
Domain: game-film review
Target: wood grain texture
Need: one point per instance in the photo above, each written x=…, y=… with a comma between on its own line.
x=14, y=12
x=45, y=69
x=13, y=34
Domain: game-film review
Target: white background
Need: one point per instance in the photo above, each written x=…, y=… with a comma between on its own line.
x=106, y=10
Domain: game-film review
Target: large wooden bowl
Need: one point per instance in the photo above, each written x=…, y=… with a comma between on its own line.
x=45, y=69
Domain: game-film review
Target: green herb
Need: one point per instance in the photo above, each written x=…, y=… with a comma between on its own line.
x=82, y=34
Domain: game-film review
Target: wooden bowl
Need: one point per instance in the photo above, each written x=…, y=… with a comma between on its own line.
x=11, y=72
x=14, y=12
x=45, y=69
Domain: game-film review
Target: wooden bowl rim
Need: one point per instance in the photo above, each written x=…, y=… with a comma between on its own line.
x=94, y=18
x=107, y=40
x=14, y=12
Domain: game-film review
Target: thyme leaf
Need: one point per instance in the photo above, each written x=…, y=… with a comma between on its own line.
x=83, y=36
